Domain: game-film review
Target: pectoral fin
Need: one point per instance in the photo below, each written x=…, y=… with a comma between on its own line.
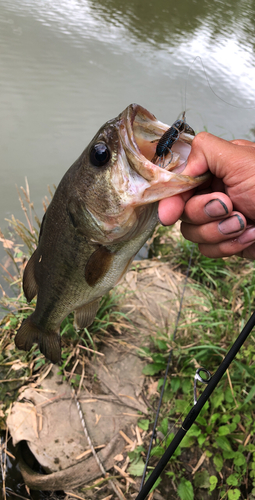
x=85, y=315
x=29, y=284
x=98, y=265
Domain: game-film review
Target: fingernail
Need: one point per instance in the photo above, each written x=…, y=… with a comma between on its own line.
x=231, y=225
x=216, y=208
x=248, y=236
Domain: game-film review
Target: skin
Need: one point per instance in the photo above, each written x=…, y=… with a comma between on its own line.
x=101, y=214
x=219, y=215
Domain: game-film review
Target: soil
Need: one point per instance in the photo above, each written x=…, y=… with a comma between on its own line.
x=46, y=416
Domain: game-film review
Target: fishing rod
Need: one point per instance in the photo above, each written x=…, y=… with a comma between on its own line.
x=198, y=405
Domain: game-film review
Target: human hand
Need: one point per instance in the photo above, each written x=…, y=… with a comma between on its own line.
x=221, y=218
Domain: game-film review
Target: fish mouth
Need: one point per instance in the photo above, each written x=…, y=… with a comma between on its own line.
x=144, y=131
x=140, y=132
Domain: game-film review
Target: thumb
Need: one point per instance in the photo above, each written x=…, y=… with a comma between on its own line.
x=221, y=157
x=232, y=162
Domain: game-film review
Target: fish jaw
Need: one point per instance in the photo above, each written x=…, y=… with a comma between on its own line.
x=162, y=182
x=133, y=180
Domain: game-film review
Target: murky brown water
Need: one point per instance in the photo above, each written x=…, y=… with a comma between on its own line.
x=68, y=66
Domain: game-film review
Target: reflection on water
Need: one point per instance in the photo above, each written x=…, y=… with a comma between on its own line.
x=70, y=65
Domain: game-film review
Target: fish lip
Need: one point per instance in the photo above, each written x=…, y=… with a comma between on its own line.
x=139, y=162
x=129, y=118
x=161, y=182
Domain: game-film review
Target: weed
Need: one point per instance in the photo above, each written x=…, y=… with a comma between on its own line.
x=218, y=453
x=223, y=295
x=20, y=242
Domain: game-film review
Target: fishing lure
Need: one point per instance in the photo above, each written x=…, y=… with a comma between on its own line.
x=172, y=135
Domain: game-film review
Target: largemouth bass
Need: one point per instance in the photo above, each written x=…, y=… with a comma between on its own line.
x=102, y=213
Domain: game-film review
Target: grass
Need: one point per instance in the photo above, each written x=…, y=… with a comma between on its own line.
x=19, y=242
x=217, y=456
x=225, y=431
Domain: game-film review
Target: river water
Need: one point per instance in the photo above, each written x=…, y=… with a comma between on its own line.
x=67, y=66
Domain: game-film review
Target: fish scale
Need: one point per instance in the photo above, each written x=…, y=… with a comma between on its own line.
x=102, y=213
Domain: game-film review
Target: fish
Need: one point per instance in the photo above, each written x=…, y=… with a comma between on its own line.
x=102, y=212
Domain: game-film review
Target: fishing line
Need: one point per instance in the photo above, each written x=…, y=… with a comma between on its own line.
x=167, y=368
x=199, y=58
x=195, y=410
x=209, y=380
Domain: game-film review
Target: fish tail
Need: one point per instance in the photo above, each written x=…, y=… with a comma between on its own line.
x=48, y=342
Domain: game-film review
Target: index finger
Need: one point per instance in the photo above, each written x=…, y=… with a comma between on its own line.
x=170, y=209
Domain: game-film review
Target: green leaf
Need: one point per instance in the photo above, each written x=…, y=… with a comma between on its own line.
x=161, y=345
x=181, y=406
x=232, y=427
x=225, y=418
x=213, y=482
x=214, y=417
x=234, y=494
x=223, y=443
x=239, y=459
x=223, y=430
x=187, y=441
x=153, y=368
x=217, y=399
x=170, y=474
x=169, y=439
x=175, y=384
x=232, y=480
x=186, y=385
x=201, y=420
x=185, y=490
x=237, y=418
x=158, y=358
x=229, y=397
x=201, y=439
x=164, y=426
x=208, y=429
x=143, y=424
x=194, y=431
x=137, y=468
x=250, y=395
x=135, y=455
x=157, y=451
x=208, y=453
x=228, y=454
x=202, y=479
x=218, y=462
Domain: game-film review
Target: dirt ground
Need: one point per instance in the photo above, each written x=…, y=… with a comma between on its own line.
x=68, y=433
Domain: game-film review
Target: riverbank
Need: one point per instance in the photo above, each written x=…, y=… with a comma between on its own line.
x=135, y=324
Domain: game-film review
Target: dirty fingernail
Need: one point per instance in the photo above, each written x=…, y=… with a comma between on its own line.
x=248, y=236
x=216, y=208
x=231, y=225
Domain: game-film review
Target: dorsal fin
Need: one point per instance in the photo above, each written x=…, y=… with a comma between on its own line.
x=84, y=316
x=98, y=265
x=29, y=284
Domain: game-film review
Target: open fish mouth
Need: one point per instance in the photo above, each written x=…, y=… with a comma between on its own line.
x=144, y=131
x=140, y=132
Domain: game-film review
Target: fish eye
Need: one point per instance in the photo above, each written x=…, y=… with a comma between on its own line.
x=99, y=154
